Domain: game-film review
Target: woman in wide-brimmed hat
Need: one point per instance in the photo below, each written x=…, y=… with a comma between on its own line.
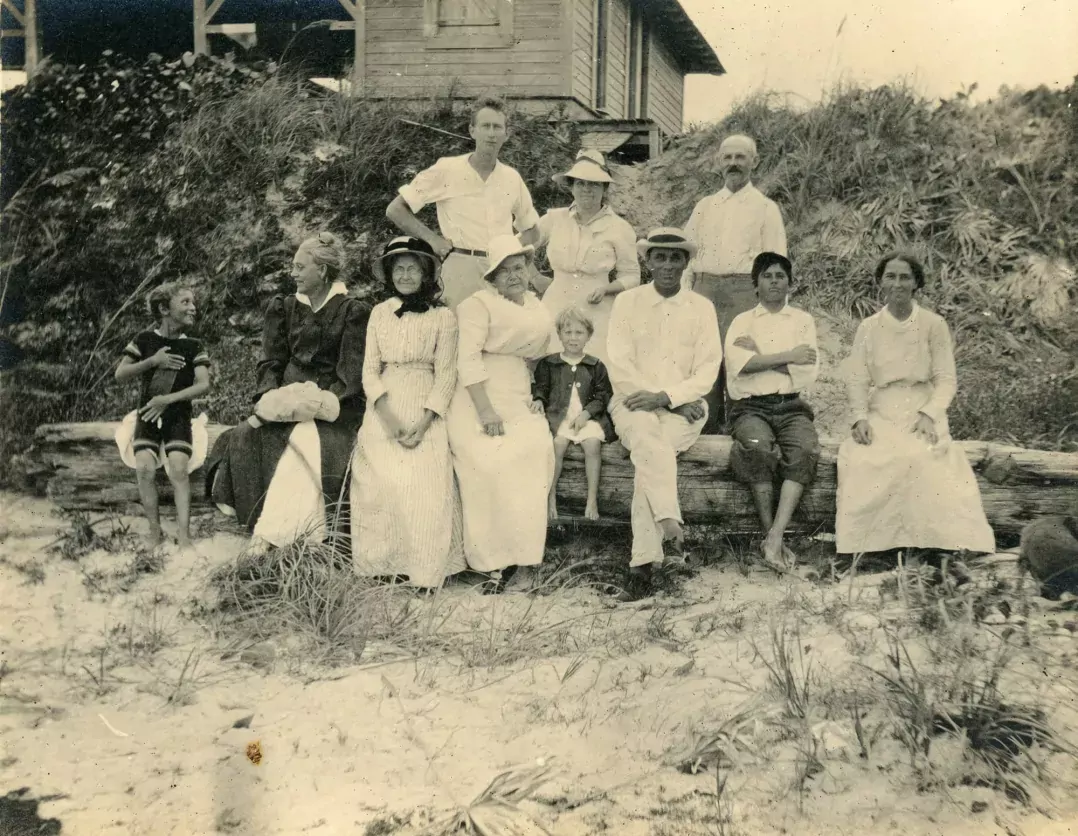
x=586, y=242
x=403, y=495
x=503, y=452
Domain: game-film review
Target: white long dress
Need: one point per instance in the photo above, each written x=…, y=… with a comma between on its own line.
x=899, y=491
x=504, y=480
x=404, y=502
x=582, y=256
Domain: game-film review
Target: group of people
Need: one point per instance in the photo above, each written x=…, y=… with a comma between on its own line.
x=433, y=428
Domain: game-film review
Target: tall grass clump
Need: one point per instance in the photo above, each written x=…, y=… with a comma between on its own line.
x=985, y=193
x=202, y=169
x=310, y=589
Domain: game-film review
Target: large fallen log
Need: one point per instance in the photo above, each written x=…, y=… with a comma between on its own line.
x=79, y=467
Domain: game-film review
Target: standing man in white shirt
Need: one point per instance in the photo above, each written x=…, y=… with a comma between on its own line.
x=663, y=354
x=731, y=227
x=478, y=199
x=771, y=356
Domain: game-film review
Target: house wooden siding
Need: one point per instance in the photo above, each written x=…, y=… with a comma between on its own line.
x=552, y=57
x=665, y=81
x=666, y=88
x=401, y=62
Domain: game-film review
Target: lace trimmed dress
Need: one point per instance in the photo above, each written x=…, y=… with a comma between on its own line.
x=504, y=480
x=405, y=502
x=899, y=491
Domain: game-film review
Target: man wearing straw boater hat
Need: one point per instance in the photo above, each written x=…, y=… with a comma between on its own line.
x=732, y=227
x=478, y=198
x=663, y=354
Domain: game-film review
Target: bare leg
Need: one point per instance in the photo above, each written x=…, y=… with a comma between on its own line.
x=145, y=474
x=560, y=446
x=593, y=463
x=181, y=485
x=763, y=495
x=789, y=496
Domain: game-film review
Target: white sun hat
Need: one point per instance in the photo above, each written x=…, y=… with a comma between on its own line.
x=590, y=165
x=502, y=247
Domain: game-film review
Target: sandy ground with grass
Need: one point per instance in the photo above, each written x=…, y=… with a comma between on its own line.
x=732, y=703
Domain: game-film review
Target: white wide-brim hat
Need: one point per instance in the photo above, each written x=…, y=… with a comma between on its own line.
x=589, y=165
x=200, y=442
x=501, y=248
x=666, y=238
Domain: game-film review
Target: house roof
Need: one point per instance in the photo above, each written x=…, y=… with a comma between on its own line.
x=690, y=48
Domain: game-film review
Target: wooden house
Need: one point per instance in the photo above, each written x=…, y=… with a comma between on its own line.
x=619, y=64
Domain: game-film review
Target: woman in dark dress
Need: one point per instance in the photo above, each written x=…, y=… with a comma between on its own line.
x=282, y=471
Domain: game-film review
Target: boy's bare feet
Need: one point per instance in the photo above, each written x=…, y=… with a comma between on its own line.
x=155, y=538
x=591, y=510
x=552, y=507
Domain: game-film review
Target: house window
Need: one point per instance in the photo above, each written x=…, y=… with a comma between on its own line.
x=468, y=24
x=602, y=34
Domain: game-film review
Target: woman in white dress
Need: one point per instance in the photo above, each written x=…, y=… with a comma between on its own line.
x=902, y=482
x=404, y=498
x=585, y=242
x=503, y=453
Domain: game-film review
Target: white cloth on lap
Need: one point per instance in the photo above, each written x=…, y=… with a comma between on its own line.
x=298, y=402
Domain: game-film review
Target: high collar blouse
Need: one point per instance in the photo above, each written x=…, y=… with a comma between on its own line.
x=593, y=247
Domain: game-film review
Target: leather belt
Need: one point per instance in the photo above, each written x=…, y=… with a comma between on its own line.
x=478, y=253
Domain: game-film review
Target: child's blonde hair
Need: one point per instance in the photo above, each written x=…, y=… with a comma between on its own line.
x=163, y=295
x=577, y=315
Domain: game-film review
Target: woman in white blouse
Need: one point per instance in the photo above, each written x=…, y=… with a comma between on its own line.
x=503, y=452
x=405, y=508
x=585, y=243
x=902, y=482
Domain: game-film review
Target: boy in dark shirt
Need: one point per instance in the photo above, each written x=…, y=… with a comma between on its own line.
x=173, y=369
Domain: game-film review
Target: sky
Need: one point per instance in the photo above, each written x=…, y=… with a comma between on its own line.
x=802, y=47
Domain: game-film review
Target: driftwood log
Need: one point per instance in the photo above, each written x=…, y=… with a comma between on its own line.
x=79, y=467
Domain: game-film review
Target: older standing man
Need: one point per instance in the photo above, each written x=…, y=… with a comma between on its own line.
x=731, y=227
x=478, y=198
x=663, y=354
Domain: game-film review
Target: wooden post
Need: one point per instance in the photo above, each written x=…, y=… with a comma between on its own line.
x=32, y=49
x=27, y=19
x=202, y=45
x=203, y=17
x=357, y=9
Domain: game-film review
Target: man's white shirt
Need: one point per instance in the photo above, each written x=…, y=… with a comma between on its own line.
x=659, y=344
x=773, y=333
x=471, y=210
x=730, y=229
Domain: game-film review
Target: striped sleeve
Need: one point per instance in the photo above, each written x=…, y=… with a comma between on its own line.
x=132, y=349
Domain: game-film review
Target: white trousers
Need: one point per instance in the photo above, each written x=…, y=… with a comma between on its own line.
x=653, y=439
x=294, y=507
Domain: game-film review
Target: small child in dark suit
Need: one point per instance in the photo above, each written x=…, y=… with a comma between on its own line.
x=173, y=370
x=573, y=389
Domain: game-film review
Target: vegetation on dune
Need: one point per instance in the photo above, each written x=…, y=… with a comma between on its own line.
x=985, y=193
